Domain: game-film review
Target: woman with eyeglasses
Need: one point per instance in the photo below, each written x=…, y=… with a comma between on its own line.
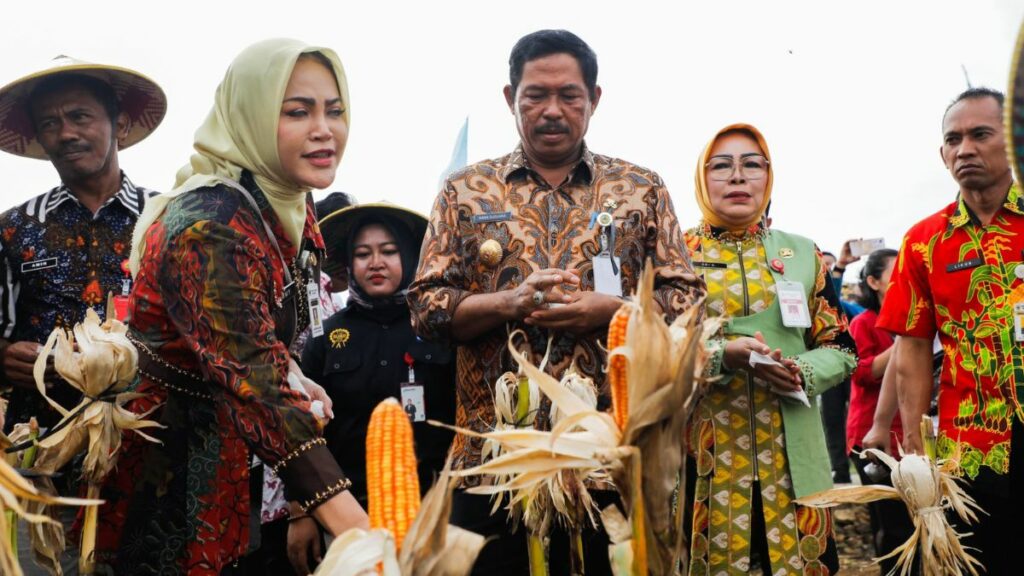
x=756, y=440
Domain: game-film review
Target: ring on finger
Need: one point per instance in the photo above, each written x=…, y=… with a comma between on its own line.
x=538, y=297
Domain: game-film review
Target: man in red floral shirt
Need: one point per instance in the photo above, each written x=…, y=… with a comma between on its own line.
x=960, y=274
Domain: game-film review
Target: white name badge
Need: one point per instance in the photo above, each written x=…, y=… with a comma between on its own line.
x=412, y=401
x=316, y=321
x=1018, y=321
x=793, y=302
x=607, y=278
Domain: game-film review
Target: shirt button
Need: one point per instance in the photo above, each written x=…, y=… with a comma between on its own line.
x=428, y=356
x=384, y=326
x=336, y=366
x=383, y=362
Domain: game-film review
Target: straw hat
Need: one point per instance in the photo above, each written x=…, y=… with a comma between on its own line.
x=139, y=97
x=336, y=226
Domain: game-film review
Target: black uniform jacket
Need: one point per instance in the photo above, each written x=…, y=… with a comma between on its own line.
x=360, y=360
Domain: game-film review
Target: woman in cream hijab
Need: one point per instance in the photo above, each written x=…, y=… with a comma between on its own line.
x=221, y=267
x=756, y=442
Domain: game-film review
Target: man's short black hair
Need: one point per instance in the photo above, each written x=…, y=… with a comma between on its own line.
x=974, y=94
x=547, y=42
x=100, y=90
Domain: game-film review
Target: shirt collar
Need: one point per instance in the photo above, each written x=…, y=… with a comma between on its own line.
x=128, y=195
x=518, y=164
x=962, y=215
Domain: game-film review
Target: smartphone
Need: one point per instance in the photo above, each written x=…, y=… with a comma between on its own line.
x=866, y=246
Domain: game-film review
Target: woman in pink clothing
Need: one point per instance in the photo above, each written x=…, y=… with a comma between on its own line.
x=889, y=519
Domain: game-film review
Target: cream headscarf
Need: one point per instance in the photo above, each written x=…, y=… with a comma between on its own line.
x=704, y=199
x=240, y=132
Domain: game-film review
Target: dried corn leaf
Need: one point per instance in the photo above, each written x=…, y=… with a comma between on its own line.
x=432, y=546
x=358, y=552
x=12, y=488
x=102, y=368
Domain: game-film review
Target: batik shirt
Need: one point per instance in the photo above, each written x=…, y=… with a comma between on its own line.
x=205, y=301
x=539, y=226
x=961, y=279
x=59, y=259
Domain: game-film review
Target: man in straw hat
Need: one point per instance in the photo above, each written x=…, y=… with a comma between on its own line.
x=549, y=238
x=62, y=251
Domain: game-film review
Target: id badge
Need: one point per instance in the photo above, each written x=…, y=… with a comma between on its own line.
x=1018, y=321
x=412, y=401
x=607, y=278
x=793, y=303
x=316, y=322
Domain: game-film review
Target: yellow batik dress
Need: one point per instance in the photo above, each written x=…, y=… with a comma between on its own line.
x=738, y=435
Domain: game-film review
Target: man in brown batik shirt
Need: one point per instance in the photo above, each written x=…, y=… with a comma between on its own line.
x=547, y=239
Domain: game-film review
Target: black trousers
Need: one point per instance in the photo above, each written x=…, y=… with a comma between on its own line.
x=833, y=417
x=997, y=537
x=505, y=553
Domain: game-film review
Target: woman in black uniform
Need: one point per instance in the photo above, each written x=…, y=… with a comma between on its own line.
x=368, y=351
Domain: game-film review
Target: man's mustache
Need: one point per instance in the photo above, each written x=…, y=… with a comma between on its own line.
x=552, y=128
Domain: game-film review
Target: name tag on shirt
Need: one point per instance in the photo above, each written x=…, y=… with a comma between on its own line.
x=793, y=302
x=37, y=265
x=490, y=217
x=965, y=265
x=701, y=264
x=412, y=401
x=316, y=322
x=607, y=278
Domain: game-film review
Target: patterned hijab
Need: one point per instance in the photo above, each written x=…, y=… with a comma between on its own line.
x=700, y=180
x=240, y=133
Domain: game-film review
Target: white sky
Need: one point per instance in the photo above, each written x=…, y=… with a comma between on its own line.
x=849, y=96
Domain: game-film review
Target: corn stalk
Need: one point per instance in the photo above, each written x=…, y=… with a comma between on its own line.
x=103, y=368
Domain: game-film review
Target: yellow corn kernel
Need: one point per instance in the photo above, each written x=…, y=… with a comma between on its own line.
x=392, y=484
x=617, y=367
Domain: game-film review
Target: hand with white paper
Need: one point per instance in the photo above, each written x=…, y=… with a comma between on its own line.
x=320, y=403
x=781, y=373
x=798, y=395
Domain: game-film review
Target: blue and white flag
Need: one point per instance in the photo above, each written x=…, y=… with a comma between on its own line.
x=459, y=153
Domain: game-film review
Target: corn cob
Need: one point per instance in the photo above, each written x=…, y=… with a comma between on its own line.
x=617, y=379
x=393, y=488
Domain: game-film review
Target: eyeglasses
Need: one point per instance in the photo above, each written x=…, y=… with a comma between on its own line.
x=722, y=168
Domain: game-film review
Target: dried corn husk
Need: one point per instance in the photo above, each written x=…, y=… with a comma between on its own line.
x=664, y=370
x=359, y=552
x=646, y=459
x=927, y=490
x=432, y=546
x=13, y=490
x=46, y=539
x=102, y=368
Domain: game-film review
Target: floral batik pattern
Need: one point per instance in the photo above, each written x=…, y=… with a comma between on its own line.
x=206, y=298
x=961, y=279
x=538, y=226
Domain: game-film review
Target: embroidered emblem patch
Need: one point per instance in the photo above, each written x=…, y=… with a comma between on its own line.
x=339, y=337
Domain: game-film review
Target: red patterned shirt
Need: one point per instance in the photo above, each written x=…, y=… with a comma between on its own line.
x=960, y=278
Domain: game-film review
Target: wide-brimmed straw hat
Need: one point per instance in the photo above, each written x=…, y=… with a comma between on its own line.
x=337, y=226
x=140, y=98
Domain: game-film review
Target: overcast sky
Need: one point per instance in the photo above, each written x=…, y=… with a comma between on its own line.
x=849, y=95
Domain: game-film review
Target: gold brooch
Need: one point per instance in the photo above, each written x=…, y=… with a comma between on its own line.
x=339, y=337
x=490, y=253
x=786, y=252
x=610, y=204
